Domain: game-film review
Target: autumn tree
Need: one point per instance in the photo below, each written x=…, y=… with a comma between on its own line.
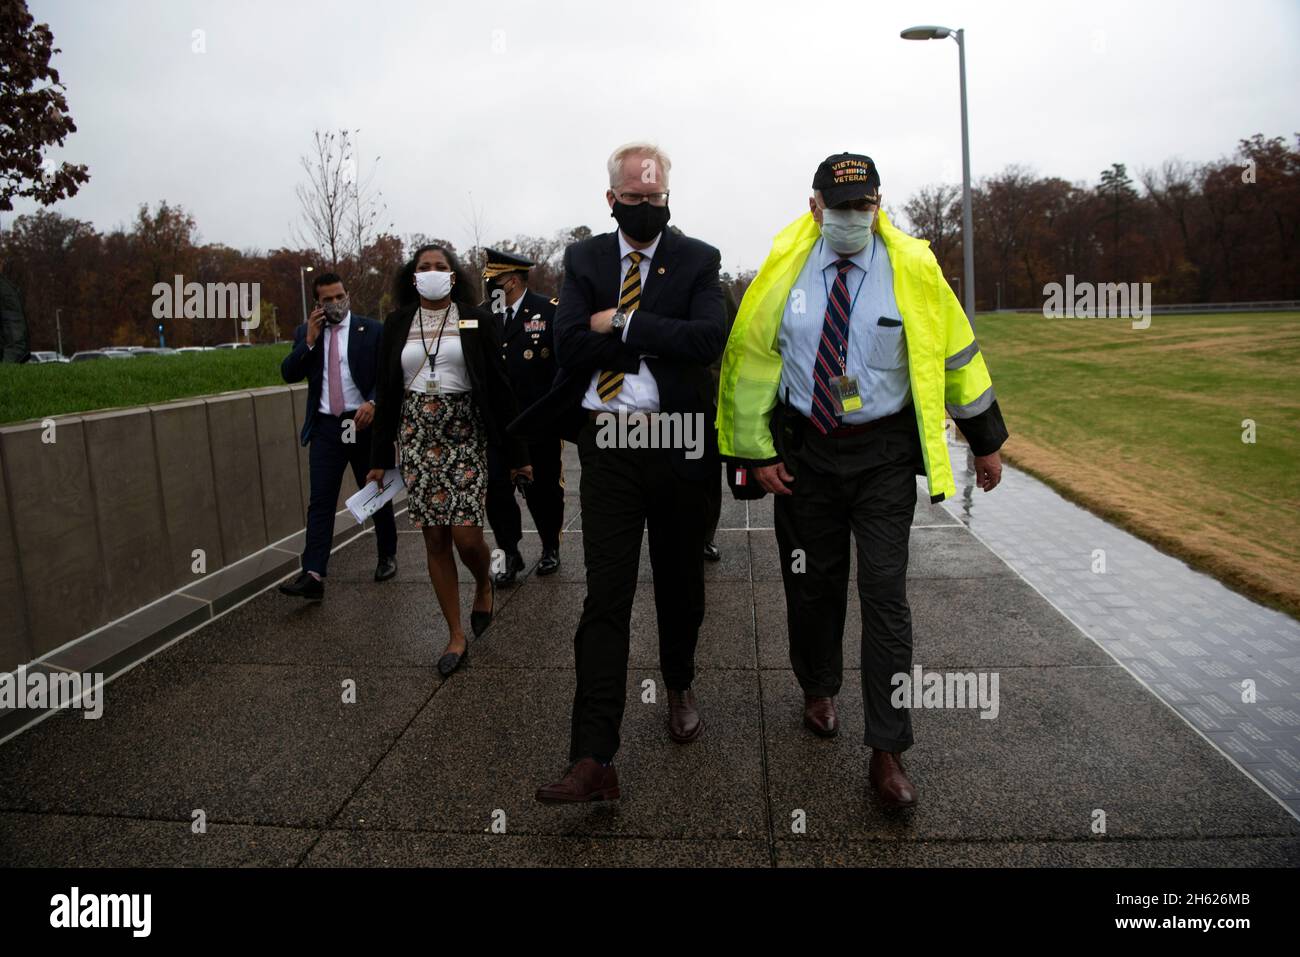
x=35, y=112
x=934, y=214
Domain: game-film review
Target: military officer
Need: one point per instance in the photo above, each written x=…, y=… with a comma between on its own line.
x=529, y=352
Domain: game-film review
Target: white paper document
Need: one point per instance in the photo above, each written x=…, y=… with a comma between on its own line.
x=370, y=499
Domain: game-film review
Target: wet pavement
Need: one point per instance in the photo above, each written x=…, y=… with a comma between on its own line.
x=246, y=726
x=1228, y=666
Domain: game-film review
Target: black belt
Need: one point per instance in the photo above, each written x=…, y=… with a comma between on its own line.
x=844, y=431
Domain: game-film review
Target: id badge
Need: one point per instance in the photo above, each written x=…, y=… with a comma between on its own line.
x=432, y=385
x=847, y=397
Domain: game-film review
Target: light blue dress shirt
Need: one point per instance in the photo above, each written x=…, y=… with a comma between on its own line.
x=877, y=354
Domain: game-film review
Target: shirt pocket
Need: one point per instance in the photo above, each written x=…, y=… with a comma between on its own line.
x=887, y=348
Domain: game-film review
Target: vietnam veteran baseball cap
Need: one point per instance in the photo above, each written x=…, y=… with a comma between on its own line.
x=847, y=176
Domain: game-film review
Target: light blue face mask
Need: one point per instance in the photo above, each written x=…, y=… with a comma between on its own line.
x=847, y=231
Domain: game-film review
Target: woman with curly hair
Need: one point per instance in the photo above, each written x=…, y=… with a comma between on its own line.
x=443, y=395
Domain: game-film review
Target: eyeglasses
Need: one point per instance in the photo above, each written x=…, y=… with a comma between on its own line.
x=636, y=199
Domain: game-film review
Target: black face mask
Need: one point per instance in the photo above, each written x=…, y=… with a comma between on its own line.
x=641, y=222
x=497, y=303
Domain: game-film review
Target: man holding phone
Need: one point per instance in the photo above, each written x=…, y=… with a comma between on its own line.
x=338, y=354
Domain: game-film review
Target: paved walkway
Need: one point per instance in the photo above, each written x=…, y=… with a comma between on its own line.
x=244, y=721
x=1228, y=665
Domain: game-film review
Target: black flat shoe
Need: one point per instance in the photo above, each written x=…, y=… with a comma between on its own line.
x=550, y=563
x=451, y=661
x=386, y=568
x=304, y=586
x=711, y=553
x=479, y=620
x=514, y=565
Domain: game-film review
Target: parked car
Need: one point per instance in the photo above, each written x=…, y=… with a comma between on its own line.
x=48, y=357
x=101, y=354
x=195, y=349
x=154, y=351
x=234, y=345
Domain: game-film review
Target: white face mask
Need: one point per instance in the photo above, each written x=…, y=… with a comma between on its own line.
x=847, y=231
x=433, y=284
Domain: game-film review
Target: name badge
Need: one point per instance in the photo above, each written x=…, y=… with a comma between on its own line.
x=847, y=397
x=467, y=324
x=432, y=385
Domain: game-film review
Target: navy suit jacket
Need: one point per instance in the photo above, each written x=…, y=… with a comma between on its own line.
x=362, y=358
x=680, y=326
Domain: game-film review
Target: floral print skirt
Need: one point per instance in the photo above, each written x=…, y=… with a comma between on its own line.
x=442, y=442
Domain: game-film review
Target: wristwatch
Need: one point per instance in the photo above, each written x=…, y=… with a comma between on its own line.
x=618, y=320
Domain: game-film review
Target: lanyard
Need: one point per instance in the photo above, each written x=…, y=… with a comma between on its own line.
x=419, y=316
x=844, y=359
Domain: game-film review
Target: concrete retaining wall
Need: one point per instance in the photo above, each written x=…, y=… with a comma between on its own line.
x=105, y=513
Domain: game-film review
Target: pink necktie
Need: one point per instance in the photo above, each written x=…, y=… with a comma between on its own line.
x=336, y=374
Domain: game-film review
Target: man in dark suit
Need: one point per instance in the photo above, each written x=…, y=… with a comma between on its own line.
x=338, y=354
x=527, y=345
x=639, y=321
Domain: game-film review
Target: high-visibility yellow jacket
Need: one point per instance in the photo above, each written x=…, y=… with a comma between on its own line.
x=944, y=364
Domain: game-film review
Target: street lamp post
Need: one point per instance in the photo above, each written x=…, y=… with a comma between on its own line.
x=967, y=229
x=58, y=328
x=302, y=279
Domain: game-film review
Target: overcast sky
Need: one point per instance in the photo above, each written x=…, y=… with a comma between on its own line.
x=520, y=103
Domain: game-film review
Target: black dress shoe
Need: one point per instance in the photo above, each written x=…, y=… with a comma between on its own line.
x=386, y=568
x=711, y=553
x=514, y=565
x=479, y=620
x=451, y=661
x=550, y=563
x=304, y=586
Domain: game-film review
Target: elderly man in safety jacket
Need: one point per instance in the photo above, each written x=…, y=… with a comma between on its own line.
x=848, y=348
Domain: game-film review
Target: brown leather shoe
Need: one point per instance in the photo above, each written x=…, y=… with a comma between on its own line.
x=890, y=780
x=684, y=722
x=588, y=780
x=819, y=716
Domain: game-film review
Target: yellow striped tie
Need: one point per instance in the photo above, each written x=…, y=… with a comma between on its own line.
x=610, y=383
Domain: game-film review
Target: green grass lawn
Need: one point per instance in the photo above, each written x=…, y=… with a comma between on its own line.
x=34, y=391
x=1145, y=428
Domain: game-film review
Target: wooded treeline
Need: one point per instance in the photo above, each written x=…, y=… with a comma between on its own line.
x=1224, y=231
x=1227, y=230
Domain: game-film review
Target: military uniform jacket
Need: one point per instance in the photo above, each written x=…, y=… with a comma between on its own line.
x=528, y=348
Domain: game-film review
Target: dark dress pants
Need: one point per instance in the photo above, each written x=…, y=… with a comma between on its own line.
x=864, y=485
x=328, y=458
x=624, y=491
x=545, y=496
